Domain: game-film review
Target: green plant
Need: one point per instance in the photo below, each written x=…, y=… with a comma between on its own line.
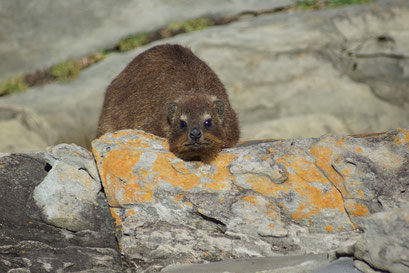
x=190, y=25
x=338, y=3
x=134, y=41
x=11, y=85
x=66, y=71
x=318, y=4
x=94, y=58
x=307, y=4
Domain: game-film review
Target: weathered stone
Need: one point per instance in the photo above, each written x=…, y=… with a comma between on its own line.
x=343, y=265
x=30, y=244
x=279, y=264
x=76, y=28
x=262, y=198
x=385, y=242
x=68, y=196
x=288, y=75
x=24, y=130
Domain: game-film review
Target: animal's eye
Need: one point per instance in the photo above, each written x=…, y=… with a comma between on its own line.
x=208, y=123
x=183, y=124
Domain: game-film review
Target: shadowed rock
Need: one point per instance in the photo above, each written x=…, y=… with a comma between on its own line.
x=53, y=216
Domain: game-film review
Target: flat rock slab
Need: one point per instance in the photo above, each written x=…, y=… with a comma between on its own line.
x=286, y=264
x=77, y=28
x=262, y=198
x=343, y=265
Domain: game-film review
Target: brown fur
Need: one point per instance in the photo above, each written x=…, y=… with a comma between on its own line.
x=161, y=86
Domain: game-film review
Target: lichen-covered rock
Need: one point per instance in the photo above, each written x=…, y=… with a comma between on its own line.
x=261, y=198
x=53, y=214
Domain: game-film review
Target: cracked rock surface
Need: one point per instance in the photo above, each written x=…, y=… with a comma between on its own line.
x=262, y=198
x=270, y=206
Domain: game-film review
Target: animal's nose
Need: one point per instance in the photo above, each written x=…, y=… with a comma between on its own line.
x=195, y=134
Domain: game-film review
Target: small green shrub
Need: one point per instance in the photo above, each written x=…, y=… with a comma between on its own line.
x=318, y=4
x=190, y=25
x=94, y=58
x=12, y=85
x=134, y=41
x=66, y=71
x=338, y=3
x=307, y=4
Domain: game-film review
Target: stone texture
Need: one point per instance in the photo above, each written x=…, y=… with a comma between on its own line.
x=279, y=264
x=68, y=196
x=305, y=74
x=24, y=130
x=343, y=265
x=262, y=198
x=32, y=239
x=385, y=242
x=35, y=35
x=264, y=206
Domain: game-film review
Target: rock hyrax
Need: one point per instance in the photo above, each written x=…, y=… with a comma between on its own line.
x=169, y=92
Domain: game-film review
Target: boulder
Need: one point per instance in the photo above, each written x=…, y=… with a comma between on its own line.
x=303, y=74
x=53, y=214
x=76, y=28
x=261, y=198
x=270, y=206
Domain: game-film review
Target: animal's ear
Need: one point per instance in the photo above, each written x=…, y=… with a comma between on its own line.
x=172, y=106
x=219, y=107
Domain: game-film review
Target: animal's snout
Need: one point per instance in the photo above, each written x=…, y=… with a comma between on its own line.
x=195, y=134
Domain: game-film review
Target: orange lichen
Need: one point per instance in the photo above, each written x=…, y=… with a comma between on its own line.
x=329, y=228
x=187, y=180
x=272, y=212
x=356, y=209
x=314, y=182
x=340, y=143
x=221, y=163
x=324, y=157
x=305, y=180
x=120, y=182
x=130, y=212
x=162, y=167
x=262, y=185
x=188, y=204
x=118, y=220
x=360, y=193
x=404, y=137
x=179, y=197
x=301, y=213
x=250, y=199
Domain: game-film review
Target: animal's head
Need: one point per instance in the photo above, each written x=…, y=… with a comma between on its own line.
x=196, y=127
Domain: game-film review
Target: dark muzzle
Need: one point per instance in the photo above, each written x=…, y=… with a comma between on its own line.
x=195, y=134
